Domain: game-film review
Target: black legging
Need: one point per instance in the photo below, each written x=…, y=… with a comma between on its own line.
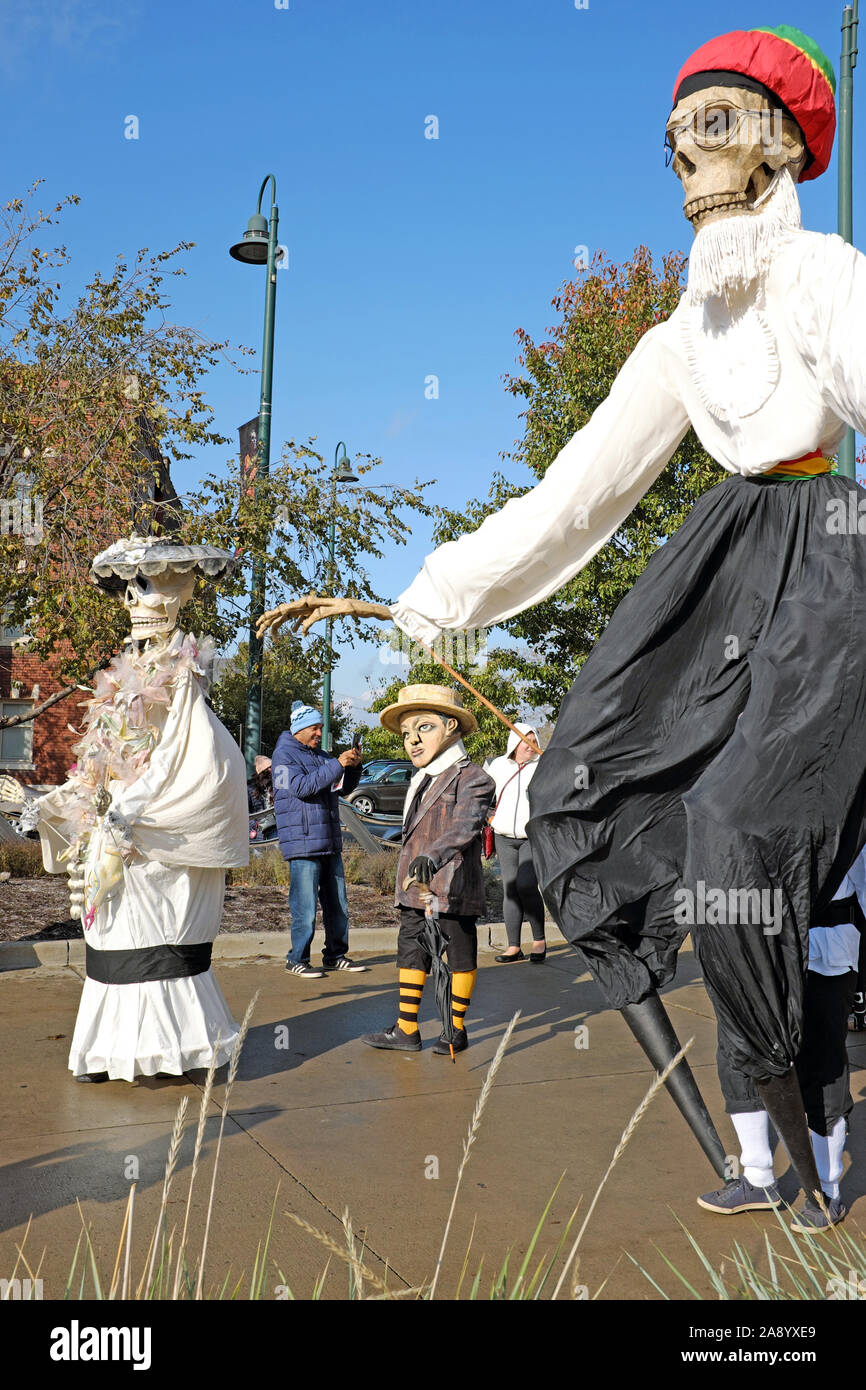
x=521, y=896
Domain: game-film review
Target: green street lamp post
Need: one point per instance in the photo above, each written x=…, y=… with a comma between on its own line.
x=259, y=247
x=342, y=474
x=846, y=218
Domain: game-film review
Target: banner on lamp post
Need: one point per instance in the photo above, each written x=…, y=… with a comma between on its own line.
x=249, y=450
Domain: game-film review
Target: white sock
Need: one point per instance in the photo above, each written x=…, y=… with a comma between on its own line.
x=828, y=1150
x=756, y=1156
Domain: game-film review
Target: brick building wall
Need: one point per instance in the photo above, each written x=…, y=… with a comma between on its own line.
x=42, y=754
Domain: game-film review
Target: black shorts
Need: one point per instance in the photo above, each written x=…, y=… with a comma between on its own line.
x=822, y=1063
x=459, y=932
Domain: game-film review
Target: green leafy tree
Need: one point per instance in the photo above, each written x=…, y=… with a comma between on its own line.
x=602, y=316
x=492, y=680
x=97, y=394
x=291, y=671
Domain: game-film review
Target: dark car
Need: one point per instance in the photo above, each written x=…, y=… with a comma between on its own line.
x=382, y=788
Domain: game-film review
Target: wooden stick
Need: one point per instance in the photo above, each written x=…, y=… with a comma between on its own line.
x=471, y=688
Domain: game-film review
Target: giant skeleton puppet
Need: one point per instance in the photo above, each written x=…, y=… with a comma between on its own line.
x=152, y=814
x=719, y=775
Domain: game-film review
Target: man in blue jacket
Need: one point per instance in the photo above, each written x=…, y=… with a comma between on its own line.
x=308, y=824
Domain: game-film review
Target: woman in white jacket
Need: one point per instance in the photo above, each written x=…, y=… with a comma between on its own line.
x=512, y=774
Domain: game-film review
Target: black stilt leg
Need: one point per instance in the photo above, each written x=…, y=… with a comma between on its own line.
x=783, y=1102
x=655, y=1033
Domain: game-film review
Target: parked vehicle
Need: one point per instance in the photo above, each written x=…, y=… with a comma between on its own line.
x=383, y=787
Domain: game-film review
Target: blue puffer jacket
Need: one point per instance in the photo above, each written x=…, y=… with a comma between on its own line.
x=307, y=811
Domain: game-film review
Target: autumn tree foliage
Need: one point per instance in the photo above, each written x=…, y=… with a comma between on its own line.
x=602, y=315
x=97, y=388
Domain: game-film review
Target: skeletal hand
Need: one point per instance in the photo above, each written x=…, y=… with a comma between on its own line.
x=303, y=612
x=12, y=792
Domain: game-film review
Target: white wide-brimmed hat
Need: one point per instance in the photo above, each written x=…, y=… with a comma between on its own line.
x=151, y=555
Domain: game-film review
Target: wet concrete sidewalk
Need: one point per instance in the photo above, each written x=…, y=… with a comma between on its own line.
x=335, y=1125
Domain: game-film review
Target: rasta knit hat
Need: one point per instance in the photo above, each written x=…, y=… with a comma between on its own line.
x=303, y=716
x=786, y=65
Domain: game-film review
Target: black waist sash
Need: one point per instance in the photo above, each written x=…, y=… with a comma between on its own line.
x=148, y=963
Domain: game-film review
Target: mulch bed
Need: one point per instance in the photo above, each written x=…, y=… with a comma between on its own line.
x=35, y=909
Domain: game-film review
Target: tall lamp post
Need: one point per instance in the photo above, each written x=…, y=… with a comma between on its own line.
x=259, y=247
x=342, y=474
x=848, y=62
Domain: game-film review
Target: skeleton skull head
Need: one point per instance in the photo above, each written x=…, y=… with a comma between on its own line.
x=727, y=145
x=154, y=602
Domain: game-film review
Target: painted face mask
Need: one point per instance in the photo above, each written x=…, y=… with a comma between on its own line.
x=426, y=735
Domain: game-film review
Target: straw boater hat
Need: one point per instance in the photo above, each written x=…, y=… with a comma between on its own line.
x=441, y=699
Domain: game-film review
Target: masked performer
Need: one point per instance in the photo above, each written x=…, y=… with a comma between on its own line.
x=153, y=813
x=822, y=1069
x=734, y=771
x=446, y=807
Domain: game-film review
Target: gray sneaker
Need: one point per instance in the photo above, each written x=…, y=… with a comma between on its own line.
x=812, y=1218
x=305, y=970
x=740, y=1195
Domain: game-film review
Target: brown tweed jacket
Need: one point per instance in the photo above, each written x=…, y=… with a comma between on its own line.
x=447, y=827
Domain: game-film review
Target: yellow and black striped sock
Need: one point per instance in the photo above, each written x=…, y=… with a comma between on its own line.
x=411, y=986
x=462, y=985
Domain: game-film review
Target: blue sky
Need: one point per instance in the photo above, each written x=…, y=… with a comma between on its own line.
x=408, y=257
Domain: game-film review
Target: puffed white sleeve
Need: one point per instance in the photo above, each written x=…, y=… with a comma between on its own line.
x=827, y=310
x=537, y=542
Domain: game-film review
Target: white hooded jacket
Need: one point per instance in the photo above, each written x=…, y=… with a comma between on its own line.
x=512, y=788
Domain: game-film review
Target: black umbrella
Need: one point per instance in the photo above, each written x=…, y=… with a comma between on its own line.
x=432, y=937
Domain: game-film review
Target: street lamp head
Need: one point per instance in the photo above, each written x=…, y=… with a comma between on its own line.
x=344, y=472
x=253, y=249
x=342, y=467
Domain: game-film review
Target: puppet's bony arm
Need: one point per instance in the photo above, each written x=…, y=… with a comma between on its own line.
x=104, y=870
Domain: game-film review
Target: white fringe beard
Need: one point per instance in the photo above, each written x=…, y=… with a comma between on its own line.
x=728, y=254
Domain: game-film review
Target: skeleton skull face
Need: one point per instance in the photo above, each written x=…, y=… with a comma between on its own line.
x=154, y=603
x=727, y=145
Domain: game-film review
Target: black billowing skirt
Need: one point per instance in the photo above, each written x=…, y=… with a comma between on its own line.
x=708, y=768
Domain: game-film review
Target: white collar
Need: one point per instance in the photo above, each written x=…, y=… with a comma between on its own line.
x=452, y=755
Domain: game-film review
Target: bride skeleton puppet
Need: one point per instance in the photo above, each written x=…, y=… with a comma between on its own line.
x=692, y=780
x=152, y=815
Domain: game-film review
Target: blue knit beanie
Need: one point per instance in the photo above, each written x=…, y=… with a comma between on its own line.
x=303, y=716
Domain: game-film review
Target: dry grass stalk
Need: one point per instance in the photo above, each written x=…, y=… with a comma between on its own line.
x=124, y=1292
x=658, y=1082
x=474, y=1127
x=233, y=1071
x=116, y=1271
x=353, y=1256
x=173, y=1147
x=199, y=1137
x=338, y=1250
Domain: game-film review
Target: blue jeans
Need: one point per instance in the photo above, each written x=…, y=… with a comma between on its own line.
x=319, y=879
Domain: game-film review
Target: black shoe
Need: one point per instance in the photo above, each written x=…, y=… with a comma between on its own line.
x=740, y=1195
x=812, y=1218
x=537, y=957
x=344, y=963
x=95, y=1076
x=442, y=1047
x=393, y=1039
x=305, y=970
x=506, y=960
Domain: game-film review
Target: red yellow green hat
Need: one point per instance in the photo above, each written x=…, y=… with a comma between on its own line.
x=788, y=65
